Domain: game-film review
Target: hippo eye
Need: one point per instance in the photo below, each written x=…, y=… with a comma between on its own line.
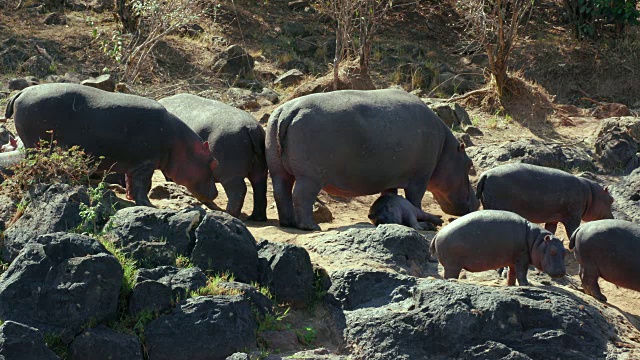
x=553, y=251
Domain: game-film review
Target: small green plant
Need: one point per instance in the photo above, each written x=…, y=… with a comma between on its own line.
x=492, y=122
x=272, y=321
x=213, y=286
x=307, y=335
x=129, y=266
x=475, y=121
x=47, y=164
x=56, y=344
x=183, y=262
x=263, y=290
x=53, y=67
x=91, y=213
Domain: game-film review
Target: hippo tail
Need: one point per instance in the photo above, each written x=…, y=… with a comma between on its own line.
x=257, y=141
x=282, y=125
x=480, y=188
x=572, y=240
x=8, y=113
x=432, y=247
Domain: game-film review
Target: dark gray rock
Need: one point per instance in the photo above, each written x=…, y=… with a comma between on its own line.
x=353, y=289
x=21, y=83
x=472, y=130
x=181, y=282
x=151, y=296
x=161, y=234
x=452, y=114
x=21, y=342
x=202, y=328
x=37, y=66
x=103, y=82
x=102, y=343
x=12, y=54
x=397, y=247
x=59, y=282
x=8, y=210
x=463, y=138
x=295, y=29
x=223, y=244
x=626, y=197
x=55, y=19
x=616, y=144
x=291, y=77
x=531, y=151
x=51, y=209
x=306, y=46
x=451, y=83
x=287, y=271
x=259, y=301
x=445, y=319
x=270, y=95
x=235, y=61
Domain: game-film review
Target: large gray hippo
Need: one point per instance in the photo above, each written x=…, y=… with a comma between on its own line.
x=352, y=143
x=608, y=249
x=236, y=140
x=544, y=195
x=135, y=135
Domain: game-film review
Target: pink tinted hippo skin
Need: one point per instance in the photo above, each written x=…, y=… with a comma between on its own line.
x=394, y=209
x=607, y=249
x=491, y=239
x=353, y=143
x=135, y=135
x=236, y=140
x=544, y=195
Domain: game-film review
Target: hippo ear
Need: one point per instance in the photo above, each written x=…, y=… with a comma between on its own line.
x=547, y=238
x=205, y=146
x=461, y=147
x=606, y=189
x=213, y=164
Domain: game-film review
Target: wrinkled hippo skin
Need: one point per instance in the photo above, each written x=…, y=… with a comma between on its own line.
x=353, y=142
x=490, y=239
x=236, y=140
x=135, y=135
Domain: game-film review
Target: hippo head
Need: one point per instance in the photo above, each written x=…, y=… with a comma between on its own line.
x=192, y=166
x=600, y=206
x=450, y=183
x=548, y=256
x=390, y=214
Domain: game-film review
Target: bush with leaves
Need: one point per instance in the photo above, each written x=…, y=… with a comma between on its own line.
x=588, y=16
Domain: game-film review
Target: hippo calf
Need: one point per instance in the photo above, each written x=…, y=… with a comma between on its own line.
x=394, y=209
x=544, y=195
x=608, y=249
x=135, y=135
x=491, y=239
x=236, y=140
x=352, y=143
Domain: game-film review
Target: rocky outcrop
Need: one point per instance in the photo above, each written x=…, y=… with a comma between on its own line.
x=19, y=341
x=102, y=343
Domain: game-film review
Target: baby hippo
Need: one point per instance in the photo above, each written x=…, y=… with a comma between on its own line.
x=394, y=209
x=490, y=239
x=544, y=195
x=608, y=249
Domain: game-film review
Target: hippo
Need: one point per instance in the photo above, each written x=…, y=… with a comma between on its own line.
x=544, y=195
x=362, y=142
x=236, y=140
x=491, y=239
x=607, y=249
x=135, y=135
x=394, y=209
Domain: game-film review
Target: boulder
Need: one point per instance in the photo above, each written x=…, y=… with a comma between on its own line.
x=102, y=343
x=291, y=77
x=295, y=29
x=353, y=289
x=321, y=212
x=306, y=46
x=626, y=197
x=55, y=19
x=12, y=54
x=234, y=61
x=59, y=282
x=287, y=271
x=616, y=144
x=531, y=151
x=451, y=83
x=22, y=342
x=21, y=83
x=202, y=328
x=181, y=282
x=51, y=209
x=8, y=210
x=449, y=319
x=103, y=82
x=242, y=99
x=224, y=244
x=259, y=302
x=150, y=296
x=395, y=247
x=37, y=66
x=153, y=236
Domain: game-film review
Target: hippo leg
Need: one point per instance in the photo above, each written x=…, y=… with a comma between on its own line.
x=589, y=276
x=411, y=221
x=259, y=185
x=430, y=218
x=282, y=186
x=415, y=192
x=140, y=182
x=551, y=227
x=452, y=273
x=305, y=192
x=390, y=191
x=571, y=225
x=511, y=275
x=236, y=191
x=521, y=268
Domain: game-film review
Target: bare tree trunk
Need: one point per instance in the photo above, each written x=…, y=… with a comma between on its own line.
x=337, y=58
